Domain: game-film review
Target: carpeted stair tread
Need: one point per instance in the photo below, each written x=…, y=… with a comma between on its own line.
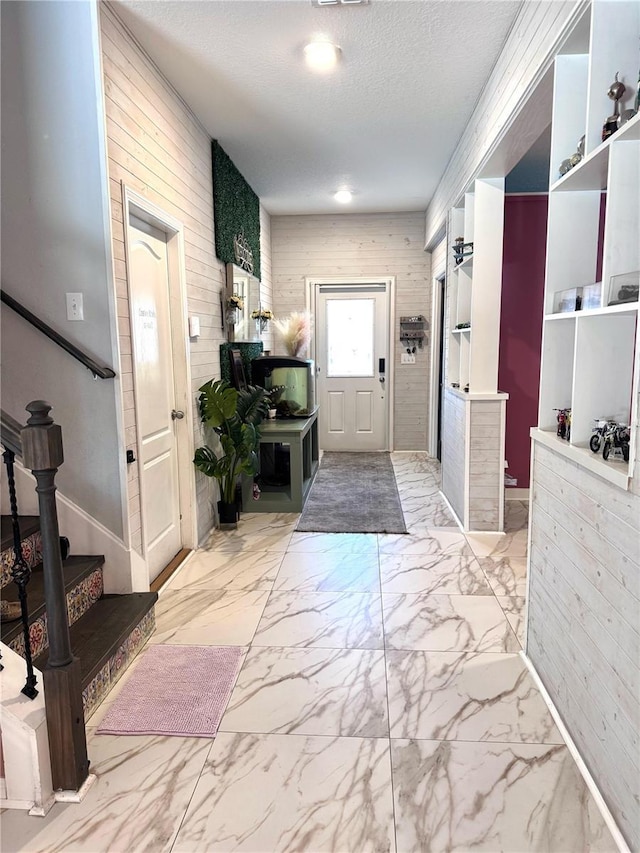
x=29, y=524
x=74, y=569
x=97, y=635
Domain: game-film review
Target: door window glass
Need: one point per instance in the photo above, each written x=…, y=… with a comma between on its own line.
x=350, y=327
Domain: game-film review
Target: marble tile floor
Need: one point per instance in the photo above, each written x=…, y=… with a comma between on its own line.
x=381, y=704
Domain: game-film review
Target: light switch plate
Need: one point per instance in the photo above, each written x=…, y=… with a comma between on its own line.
x=75, y=308
x=407, y=358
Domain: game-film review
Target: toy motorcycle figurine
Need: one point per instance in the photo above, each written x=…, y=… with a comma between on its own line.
x=616, y=437
x=564, y=423
x=599, y=428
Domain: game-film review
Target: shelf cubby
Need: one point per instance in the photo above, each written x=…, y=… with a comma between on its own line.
x=556, y=378
x=622, y=226
x=613, y=47
x=570, y=86
x=602, y=388
x=572, y=242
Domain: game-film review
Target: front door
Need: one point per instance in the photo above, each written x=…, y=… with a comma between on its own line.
x=154, y=394
x=352, y=355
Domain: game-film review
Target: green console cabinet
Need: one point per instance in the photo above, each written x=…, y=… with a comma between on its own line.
x=292, y=446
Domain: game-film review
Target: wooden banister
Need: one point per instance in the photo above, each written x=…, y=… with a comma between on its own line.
x=42, y=454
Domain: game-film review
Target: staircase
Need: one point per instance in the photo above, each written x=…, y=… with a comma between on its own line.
x=106, y=631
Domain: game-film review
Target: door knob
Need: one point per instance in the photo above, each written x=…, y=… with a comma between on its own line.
x=176, y=414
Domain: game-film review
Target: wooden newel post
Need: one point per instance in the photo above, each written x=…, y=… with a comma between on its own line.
x=42, y=453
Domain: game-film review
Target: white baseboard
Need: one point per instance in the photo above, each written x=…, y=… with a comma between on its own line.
x=452, y=511
x=582, y=767
x=516, y=494
x=76, y=796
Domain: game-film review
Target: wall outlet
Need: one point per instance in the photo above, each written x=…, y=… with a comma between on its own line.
x=408, y=358
x=75, y=308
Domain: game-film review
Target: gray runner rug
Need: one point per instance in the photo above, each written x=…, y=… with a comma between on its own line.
x=353, y=493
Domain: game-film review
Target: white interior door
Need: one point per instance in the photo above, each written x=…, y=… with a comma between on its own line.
x=155, y=394
x=352, y=357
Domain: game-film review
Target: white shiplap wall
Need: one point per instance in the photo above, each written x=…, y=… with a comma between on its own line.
x=158, y=148
x=584, y=620
x=362, y=245
x=527, y=53
x=486, y=464
x=454, y=443
x=472, y=454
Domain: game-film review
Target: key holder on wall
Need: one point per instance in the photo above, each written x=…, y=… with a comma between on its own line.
x=412, y=332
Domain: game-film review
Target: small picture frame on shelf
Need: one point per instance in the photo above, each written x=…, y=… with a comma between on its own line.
x=624, y=288
x=567, y=300
x=592, y=296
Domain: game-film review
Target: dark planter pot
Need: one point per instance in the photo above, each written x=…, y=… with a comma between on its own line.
x=228, y=513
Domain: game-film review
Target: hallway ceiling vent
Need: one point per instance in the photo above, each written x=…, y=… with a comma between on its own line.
x=339, y=2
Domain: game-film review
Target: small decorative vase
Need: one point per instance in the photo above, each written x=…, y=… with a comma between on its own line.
x=231, y=315
x=228, y=514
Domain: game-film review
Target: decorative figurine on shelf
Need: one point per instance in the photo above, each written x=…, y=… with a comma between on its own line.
x=616, y=91
x=564, y=423
x=572, y=161
x=461, y=250
x=463, y=325
x=599, y=429
x=616, y=437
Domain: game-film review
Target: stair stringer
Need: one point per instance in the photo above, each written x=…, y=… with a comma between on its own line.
x=25, y=741
x=124, y=569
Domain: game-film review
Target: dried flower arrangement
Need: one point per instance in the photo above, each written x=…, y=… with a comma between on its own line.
x=235, y=301
x=262, y=314
x=295, y=331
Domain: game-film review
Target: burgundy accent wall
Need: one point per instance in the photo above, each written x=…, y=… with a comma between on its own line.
x=523, y=266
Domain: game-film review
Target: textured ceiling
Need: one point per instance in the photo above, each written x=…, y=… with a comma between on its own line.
x=384, y=123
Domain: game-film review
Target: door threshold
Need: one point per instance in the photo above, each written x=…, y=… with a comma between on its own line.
x=169, y=570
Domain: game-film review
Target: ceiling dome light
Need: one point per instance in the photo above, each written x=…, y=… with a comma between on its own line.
x=343, y=196
x=322, y=55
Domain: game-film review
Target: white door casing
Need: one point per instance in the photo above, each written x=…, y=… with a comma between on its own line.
x=351, y=339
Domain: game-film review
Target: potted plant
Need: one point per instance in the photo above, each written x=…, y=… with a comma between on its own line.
x=234, y=416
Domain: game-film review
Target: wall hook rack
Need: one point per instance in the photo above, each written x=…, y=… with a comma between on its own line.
x=412, y=332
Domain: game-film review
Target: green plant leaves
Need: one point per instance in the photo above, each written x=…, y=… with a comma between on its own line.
x=218, y=402
x=234, y=416
x=252, y=405
x=206, y=461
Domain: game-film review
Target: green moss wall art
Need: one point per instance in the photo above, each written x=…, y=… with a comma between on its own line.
x=236, y=212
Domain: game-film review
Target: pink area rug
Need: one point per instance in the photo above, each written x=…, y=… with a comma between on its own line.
x=175, y=690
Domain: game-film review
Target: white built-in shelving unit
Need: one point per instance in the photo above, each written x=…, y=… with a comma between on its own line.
x=590, y=358
x=475, y=288
x=474, y=410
